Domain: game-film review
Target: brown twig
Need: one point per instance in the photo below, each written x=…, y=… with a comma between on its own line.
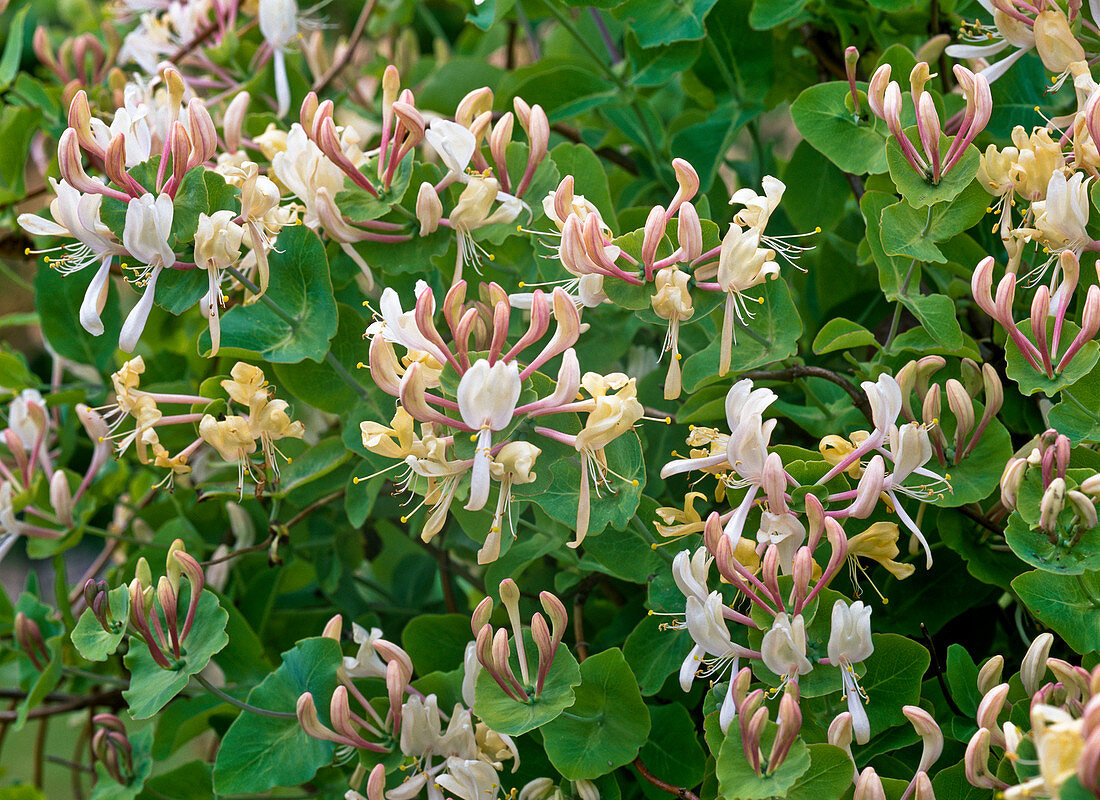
x=982, y=520
x=40, y=751
x=680, y=791
x=112, y=698
x=608, y=153
x=356, y=34
x=187, y=48
x=803, y=371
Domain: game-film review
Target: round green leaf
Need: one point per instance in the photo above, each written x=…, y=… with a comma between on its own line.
x=1034, y=547
x=736, y=777
x=1030, y=381
x=89, y=637
x=918, y=190
x=505, y=715
x=855, y=145
x=607, y=725
x=151, y=687
x=1070, y=604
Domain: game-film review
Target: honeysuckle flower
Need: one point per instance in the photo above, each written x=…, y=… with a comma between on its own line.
x=714, y=650
x=470, y=779
x=145, y=236
x=742, y=264
x=513, y=464
x=1059, y=746
x=1010, y=30
x=850, y=643
x=278, y=21
x=758, y=209
x=217, y=246
x=783, y=648
x=1061, y=219
x=879, y=543
x=672, y=302
x=487, y=398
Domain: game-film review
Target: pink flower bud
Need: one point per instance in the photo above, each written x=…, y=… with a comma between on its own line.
x=990, y=673
x=61, y=498
x=233, y=121
x=869, y=786
x=689, y=232
x=203, y=133
x=654, y=232
x=72, y=170
x=334, y=628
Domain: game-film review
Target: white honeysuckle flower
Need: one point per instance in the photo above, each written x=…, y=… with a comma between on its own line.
x=22, y=421
x=786, y=532
x=487, y=397
x=303, y=169
x=278, y=20
x=1007, y=32
x=147, y=228
x=784, y=646
x=758, y=209
x=454, y=144
x=470, y=779
x=366, y=663
x=471, y=668
x=850, y=643
x=691, y=572
x=1062, y=218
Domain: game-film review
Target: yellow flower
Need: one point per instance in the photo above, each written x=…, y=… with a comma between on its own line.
x=679, y=522
x=835, y=449
x=880, y=543
x=246, y=381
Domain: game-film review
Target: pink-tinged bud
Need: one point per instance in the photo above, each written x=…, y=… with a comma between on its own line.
x=555, y=611
x=483, y=644
x=69, y=162
x=1006, y=293
x=851, y=58
x=413, y=122
x=502, y=653
x=1050, y=508
x=958, y=400
x=876, y=91
x=869, y=488
x=654, y=232
x=397, y=681
x=340, y=714
x=523, y=111
x=931, y=407
x=1075, y=680
x=976, y=762
x=181, y=146
x=990, y=707
x=687, y=183
x=80, y=121
x=928, y=125
x=1083, y=510
x=233, y=121
x=61, y=498
x=993, y=390
x=538, y=134
x=891, y=108
x=990, y=673
x=17, y=449
x=929, y=732
x=29, y=638
x=392, y=653
x=815, y=520
x=499, y=140
x=922, y=787
x=203, y=133
x=769, y=568
x=906, y=379
x=869, y=786
x=114, y=161
x=391, y=85
x=334, y=628
x=802, y=571
x=376, y=781
x=790, y=725
x=751, y=735
x=925, y=369
x=981, y=285
x=1011, y=480
x=307, y=114
x=840, y=731
x=44, y=53
x=480, y=618
x=1033, y=669
x=473, y=105
x=563, y=200
x=311, y=723
x=689, y=232
x=323, y=112
x=429, y=209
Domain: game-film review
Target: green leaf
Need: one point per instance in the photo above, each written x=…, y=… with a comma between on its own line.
x=201, y=191
x=893, y=678
x=656, y=22
x=436, y=642
x=505, y=715
x=259, y=753
x=1035, y=548
x=607, y=725
x=151, y=687
x=179, y=289
x=654, y=654
x=17, y=125
x=560, y=84
x=1076, y=415
x=673, y=753
x=962, y=678
x=978, y=475
x=856, y=145
x=91, y=640
x=809, y=179
x=1070, y=604
x=13, y=49
x=841, y=334
x=57, y=298
x=899, y=275
x=301, y=287
x=319, y=383
x=768, y=14
x=771, y=336
x=736, y=777
x=909, y=231
x=830, y=773
x=1031, y=381
x=918, y=190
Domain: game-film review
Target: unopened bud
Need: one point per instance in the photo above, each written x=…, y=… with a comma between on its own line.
x=71, y=167
x=500, y=138
x=689, y=232
x=923, y=787
x=1034, y=667
x=334, y=628
x=555, y=612
x=233, y=121
x=1051, y=506
x=990, y=673
x=1011, y=480
x=929, y=732
x=869, y=786
x=61, y=498
x=203, y=133
x=962, y=407
x=538, y=134
x=1083, y=509
x=480, y=617
x=176, y=87
x=376, y=781
x=654, y=232
x=429, y=209
x=990, y=706
x=586, y=790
